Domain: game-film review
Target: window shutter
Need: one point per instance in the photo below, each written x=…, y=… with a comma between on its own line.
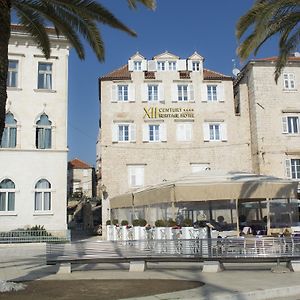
x=191, y=93
x=180, y=132
x=115, y=133
x=220, y=93
x=130, y=65
x=144, y=65
x=223, y=132
x=145, y=133
x=163, y=132
x=190, y=65
x=132, y=128
x=204, y=92
x=181, y=65
x=151, y=65
x=189, y=131
x=139, y=176
x=144, y=92
x=284, y=125
x=288, y=168
x=174, y=93
x=114, y=93
x=206, y=132
x=161, y=93
x=131, y=93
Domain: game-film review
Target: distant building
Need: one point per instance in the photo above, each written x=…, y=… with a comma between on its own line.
x=81, y=177
x=33, y=150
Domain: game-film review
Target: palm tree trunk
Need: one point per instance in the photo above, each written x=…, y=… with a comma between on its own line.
x=5, y=6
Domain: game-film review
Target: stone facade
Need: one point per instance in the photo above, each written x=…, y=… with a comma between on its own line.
x=33, y=153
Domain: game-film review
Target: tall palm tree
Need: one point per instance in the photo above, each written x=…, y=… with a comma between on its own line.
x=267, y=18
x=72, y=18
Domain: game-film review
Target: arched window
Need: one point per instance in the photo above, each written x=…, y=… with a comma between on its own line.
x=42, y=195
x=43, y=133
x=9, y=138
x=7, y=195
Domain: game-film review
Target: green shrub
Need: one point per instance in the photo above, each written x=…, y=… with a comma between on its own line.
x=115, y=221
x=108, y=222
x=136, y=222
x=187, y=223
x=142, y=222
x=160, y=223
x=171, y=223
x=124, y=223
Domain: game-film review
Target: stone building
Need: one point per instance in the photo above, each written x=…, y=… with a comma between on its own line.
x=33, y=152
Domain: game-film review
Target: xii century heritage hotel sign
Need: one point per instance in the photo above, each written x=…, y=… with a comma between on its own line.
x=168, y=113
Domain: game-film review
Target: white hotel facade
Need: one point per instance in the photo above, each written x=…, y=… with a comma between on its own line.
x=167, y=117
x=33, y=152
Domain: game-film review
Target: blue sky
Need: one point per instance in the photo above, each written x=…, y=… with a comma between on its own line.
x=180, y=27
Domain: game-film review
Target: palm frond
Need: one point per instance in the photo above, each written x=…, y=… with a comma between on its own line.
x=148, y=3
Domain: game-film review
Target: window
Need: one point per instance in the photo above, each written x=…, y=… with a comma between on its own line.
x=123, y=133
x=122, y=92
x=137, y=65
x=152, y=92
x=161, y=65
x=154, y=133
x=12, y=75
x=182, y=92
x=212, y=93
x=43, y=133
x=42, y=195
x=45, y=76
x=196, y=66
x=214, y=132
x=172, y=65
x=290, y=124
x=293, y=168
x=136, y=176
x=289, y=81
x=184, y=132
x=7, y=195
x=9, y=138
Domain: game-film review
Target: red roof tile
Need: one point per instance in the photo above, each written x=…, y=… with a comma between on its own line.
x=123, y=73
x=78, y=164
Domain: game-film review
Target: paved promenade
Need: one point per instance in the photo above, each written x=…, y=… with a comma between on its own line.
x=27, y=262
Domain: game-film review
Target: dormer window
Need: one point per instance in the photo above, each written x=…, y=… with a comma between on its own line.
x=172, y=65
x=161, y=65
x=196, y=65
x=137, y=66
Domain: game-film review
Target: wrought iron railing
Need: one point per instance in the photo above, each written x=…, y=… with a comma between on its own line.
x=34, y=236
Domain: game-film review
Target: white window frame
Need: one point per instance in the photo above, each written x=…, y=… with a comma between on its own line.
x=195, y=66
x=9, y=127
x=43, y=191
x=154, y=133
x=184, y=132
x=6, y=192
x=123, y=92
x=290, y=127
x=161, y=65
x=293, y=168
x=215, y=132
x=153, y=92
x=289, y=81
x=182, y=92
x=116, y=132
x=47, y=76
x=212, y=92
x=137, y=65
x=123, y=132
x=11, y=72
x=172, y=65
x=136, y=175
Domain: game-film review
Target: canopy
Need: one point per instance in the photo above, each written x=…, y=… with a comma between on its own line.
x=209, y=185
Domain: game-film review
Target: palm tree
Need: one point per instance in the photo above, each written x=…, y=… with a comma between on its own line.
x=267, y=18
x=72, y=18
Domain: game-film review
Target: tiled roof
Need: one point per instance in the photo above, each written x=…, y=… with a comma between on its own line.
x=78, y=164
x=123, y=73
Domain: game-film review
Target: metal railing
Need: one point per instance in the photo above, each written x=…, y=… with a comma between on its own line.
x=34, y=236
x=220, y=248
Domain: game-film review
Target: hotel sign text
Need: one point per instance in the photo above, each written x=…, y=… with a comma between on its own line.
x=168, y=112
